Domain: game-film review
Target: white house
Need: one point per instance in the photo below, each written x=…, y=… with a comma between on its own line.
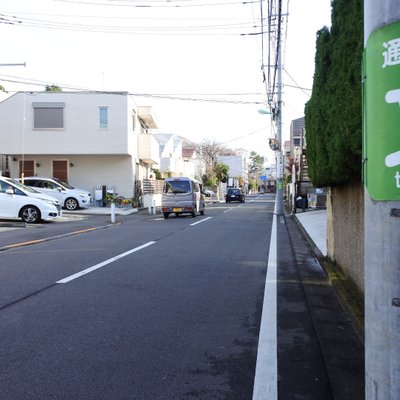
x=171, y=158
x=85, y=138
x=238, y=169
x=192, y=164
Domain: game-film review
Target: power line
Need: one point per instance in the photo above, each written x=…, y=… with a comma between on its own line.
x=244, y=136
x=181, y=97
x=147, y=4
x=297, y=85
x=233, y=28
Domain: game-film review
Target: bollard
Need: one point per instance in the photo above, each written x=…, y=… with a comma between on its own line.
x=152, y=207
x=113, y=213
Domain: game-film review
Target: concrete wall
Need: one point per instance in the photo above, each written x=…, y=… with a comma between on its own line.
x=345, y=226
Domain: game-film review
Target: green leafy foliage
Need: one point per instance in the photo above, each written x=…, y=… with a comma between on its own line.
x=333, y=115
x=256, y=162
x=157, y=173
x=221, y=172
x=53, y=88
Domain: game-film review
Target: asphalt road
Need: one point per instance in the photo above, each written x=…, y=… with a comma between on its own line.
x=144, y=309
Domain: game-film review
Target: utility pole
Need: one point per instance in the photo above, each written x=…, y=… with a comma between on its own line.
x=279, y=157
x=278, y=153
x=381, y=121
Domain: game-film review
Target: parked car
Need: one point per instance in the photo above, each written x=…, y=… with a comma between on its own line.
x=208, y=193
x=234, y=194
x=19, y=201
x=70, y=198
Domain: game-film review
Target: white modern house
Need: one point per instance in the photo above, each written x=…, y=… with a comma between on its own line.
x=238, y=169
x=88, y=139
x=171, y=157
x=192, y=164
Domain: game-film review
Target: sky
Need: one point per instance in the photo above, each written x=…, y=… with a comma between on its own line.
x=196, y=62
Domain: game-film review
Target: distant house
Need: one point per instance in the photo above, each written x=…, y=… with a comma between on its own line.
x=88, y=139
x=298, y=149
x=238, y=169
x=192, y=163
x=171, y=159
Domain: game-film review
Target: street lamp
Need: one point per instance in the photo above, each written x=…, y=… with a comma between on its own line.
x=264, y=112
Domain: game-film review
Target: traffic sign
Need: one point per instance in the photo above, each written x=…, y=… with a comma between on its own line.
x=382, y=114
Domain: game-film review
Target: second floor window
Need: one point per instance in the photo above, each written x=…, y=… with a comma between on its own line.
x=48, y=116
x=103, y=117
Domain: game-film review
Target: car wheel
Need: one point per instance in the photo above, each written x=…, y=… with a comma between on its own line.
x=30, y=214
x=194, y=214
x=71, y=204
x=202, y=212
x=166, y=215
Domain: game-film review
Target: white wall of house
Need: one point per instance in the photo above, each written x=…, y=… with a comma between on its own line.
x=189, y=169
x=237, y=166
x=86, y=172
x=81, y=134
x=171, y=160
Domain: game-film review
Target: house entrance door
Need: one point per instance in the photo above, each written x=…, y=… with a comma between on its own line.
x=27, y=168
x=60, y=170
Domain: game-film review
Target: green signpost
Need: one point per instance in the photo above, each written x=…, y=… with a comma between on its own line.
x=382, y=114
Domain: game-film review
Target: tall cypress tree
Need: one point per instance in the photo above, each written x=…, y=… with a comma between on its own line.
x=333, y=115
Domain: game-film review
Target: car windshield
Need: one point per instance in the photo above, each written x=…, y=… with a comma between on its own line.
x=233, y=191
x=176, y=187
x=20, y=186
x=63, y=184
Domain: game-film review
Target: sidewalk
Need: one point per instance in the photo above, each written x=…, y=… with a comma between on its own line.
x=314, y=223
x=313, y=308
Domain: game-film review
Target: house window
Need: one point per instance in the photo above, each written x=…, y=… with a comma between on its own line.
x=296, y=141
x=103, y=117
x=48, y=115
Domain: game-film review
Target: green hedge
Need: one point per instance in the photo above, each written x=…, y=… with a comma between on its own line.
x=333, y=115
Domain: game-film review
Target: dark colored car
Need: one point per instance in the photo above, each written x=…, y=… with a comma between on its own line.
x=234, y=195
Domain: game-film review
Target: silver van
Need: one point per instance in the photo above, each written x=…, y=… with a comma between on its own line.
x=182, y=196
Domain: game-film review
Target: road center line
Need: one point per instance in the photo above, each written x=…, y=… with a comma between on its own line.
x=199, y=222
x=266, y=376
x=104, y=263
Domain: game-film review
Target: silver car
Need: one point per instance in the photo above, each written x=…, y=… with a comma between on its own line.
x=70, y=197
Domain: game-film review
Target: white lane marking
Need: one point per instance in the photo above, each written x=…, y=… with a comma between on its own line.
x=266, y=377
x=229, y=209
x=199, y=222
x=102, y=264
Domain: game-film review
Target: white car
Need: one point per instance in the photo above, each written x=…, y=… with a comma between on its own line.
x=71, y=198
x=18, y=201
